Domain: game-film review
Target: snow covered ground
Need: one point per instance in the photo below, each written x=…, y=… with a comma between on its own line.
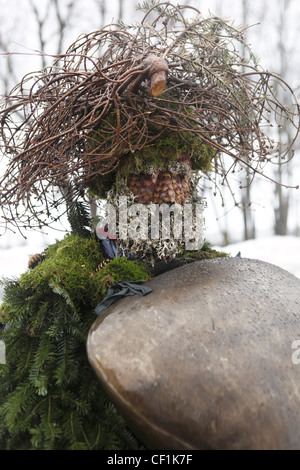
x=281, y=251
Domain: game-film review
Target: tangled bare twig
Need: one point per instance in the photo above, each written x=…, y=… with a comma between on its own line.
x=93, y=105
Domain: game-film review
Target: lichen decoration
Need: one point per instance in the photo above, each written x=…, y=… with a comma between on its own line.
x=118, y=92
x=162, y=229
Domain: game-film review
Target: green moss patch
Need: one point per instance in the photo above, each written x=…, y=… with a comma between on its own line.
x=50, y=397
x=206, y=252
x=156, y=156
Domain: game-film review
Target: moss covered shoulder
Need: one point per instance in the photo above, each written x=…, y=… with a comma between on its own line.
x=50, y=397
x=78, y=266
x=206, y=252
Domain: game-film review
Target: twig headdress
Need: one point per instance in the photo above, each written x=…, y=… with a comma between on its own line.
x=121, y=89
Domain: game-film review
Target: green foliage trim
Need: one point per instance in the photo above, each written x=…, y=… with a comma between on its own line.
x=50, y=398
x=80, y=219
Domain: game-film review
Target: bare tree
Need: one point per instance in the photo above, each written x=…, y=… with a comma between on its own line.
x=53, y=20
x=248, y=219
x=7, y=71
x=283, y=170
x=62, y=21
x=121, y=11
x=101, y=4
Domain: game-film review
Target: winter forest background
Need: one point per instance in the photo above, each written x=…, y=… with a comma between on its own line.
x=259, y=211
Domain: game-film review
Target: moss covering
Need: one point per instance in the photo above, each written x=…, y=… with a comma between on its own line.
x=50, y=398
x=206, y=252
x=163, y=151
x=73, y=264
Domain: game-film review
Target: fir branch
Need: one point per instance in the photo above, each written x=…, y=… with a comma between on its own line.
x=80, y=219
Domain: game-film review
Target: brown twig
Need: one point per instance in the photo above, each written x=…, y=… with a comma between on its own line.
x=116, y=91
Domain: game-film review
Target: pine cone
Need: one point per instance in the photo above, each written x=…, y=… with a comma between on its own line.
x=162, y=187
x=34, y=260
x=102, y=265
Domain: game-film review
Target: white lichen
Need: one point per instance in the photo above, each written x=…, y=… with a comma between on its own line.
x=155, y=231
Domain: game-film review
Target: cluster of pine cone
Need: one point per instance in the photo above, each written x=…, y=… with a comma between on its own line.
x=34, y=260
x=162, y=186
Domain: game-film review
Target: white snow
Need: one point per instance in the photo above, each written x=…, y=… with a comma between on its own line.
x=15, y=253
x=283, y=251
